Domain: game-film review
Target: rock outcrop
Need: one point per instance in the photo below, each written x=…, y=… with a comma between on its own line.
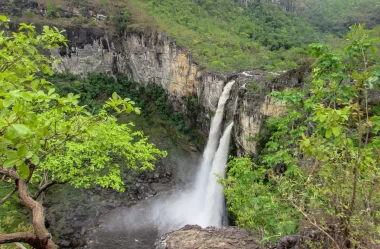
x=193, y=236
x=210, y=237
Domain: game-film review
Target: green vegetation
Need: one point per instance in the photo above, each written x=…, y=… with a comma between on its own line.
x=319, y=169
x=223, y=36
x=95, y=88
x=337, y=16
x=46, y=138
x=123, y=21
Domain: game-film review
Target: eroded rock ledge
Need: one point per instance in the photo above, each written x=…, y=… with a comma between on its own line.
x=195, y=237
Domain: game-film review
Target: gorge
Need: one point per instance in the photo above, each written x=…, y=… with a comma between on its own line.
x=189, y=124
x=201, y=203
x=151, y=57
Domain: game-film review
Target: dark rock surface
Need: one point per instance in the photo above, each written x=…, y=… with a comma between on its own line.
x=74, y=215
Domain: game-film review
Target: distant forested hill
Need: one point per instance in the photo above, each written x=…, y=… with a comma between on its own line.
x=337, y=16
x=266, y=34
x=334, y=16
x=223, y=35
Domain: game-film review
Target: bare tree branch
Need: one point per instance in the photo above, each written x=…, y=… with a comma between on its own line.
x=46, y=186
x=2, y=200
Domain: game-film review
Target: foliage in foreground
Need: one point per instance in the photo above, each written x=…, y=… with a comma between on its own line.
x=47, y=138
x=328, y=146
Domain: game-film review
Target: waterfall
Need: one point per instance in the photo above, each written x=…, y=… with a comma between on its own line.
x=212, y=142
x=203, y=203
x=214, y=205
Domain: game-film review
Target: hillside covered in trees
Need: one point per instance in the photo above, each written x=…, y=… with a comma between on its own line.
x=223, y=35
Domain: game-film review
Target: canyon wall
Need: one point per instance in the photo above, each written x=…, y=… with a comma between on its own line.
x=153, y=57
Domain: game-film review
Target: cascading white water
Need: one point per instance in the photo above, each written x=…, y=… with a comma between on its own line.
x=199, y=193
x=202, y=204
x=214, y=205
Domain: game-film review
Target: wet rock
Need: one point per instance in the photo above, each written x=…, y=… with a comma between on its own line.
x=78, y=224
x=64, y=243
x=68, y=231
x=193, y=148
x=69, y=217
x=287, y=242
x=192, y=236
x=77, y=242
x=165, y=180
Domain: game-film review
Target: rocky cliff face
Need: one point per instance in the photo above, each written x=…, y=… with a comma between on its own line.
x=152, y=57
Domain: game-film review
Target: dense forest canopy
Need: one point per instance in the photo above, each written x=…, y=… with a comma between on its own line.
x=228, y=35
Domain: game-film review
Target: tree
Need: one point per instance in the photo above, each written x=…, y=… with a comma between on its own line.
x=50, y=138
x=328, y=148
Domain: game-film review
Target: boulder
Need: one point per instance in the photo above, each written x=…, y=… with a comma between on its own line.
x=193, y=236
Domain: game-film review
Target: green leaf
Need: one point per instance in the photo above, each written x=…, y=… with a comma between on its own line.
x=11, y=154
x=9, y=163
x=322, y=118
x=21, y=130
x=23, y=171
x=137, y=111
x=35, y=160
x=7, y=102
x=336, y=131
x=3, y=122
x=22, y=150
x=51, y=91
x=328, y=133
x=26, y=96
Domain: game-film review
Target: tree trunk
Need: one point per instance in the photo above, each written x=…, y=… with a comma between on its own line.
x=29, y=238
x=38, y=220
x=41, y=238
